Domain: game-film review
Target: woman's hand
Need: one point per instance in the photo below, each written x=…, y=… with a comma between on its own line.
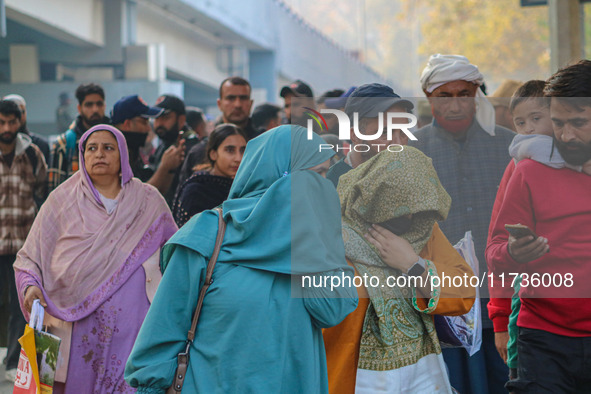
x=395, y=251
x=31, y=294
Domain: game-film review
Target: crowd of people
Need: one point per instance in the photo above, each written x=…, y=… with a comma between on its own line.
x=115, y=227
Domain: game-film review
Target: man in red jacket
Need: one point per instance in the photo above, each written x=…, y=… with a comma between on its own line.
x=554, y=344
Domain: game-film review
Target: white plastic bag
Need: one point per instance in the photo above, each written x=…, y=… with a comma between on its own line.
x=465, y=330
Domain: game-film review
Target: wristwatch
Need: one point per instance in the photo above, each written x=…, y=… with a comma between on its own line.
x=417, y=268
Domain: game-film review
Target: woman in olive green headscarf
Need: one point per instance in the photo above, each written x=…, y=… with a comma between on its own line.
x=390, y=207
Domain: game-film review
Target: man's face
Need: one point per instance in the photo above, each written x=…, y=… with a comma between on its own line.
x=332, y=122
x=295, y=108
x=453, y=105
x=135, y=131
x=572, y=130
x=369, y=126
x=235, y=103
x=167, y=126
x=92, y=109
x=139, y=124
x=9, y=125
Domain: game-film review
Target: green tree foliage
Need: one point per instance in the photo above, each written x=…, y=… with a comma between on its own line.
x=504, y=39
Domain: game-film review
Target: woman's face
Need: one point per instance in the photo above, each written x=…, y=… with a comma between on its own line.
x=322, y=168
x=101, y=156
x=228, y=155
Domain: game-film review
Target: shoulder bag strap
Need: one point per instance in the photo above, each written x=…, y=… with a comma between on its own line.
x=183, y=358
x=209, y=272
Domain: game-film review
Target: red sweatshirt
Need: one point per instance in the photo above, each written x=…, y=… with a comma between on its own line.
x=556, y=204
x=499, y=305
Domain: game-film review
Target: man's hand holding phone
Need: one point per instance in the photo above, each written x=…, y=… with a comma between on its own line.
x=524, y=245
x=173, y=157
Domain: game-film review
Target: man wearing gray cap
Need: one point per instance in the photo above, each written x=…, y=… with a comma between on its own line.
x=370, y=101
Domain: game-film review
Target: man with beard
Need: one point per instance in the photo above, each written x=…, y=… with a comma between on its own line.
x=22, y=181
x=37, y=140
x=132, y=116
x=369, y=102
x=170, y=127
x=469, y=153
x=64, y=154
x=554, y=321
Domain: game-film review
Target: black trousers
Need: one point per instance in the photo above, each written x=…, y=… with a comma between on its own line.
x=551, y=363
x=16, y=321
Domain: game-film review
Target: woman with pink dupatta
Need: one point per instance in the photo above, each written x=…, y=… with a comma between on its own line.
x=92, y=259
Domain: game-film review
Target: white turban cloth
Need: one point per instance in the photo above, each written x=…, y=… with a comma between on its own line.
x=442, y=69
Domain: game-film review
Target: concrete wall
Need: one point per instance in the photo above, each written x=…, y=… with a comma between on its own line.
x=199, y=43
x=185, y=50
x=75, y=21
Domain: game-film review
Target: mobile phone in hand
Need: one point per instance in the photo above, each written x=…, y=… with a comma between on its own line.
x=180, y=137
x=520, y=231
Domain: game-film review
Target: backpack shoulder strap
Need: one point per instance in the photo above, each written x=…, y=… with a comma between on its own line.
x=32, y=155
x=70, y=140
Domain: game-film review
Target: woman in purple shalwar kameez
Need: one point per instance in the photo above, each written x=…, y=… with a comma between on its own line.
x=92, y=257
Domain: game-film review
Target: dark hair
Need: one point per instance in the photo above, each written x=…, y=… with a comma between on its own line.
x=571, y=81
x=263, y=114
x=219, y=135
x=194, y=117
x=330, y=93
x=90, y=88
x=533, y=88
x=235, y=81
x=8, y=107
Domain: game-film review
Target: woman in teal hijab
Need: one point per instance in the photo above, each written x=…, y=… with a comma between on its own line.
x=260, y=326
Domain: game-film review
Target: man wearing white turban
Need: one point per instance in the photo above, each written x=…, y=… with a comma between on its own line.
x=470, y=154
x=455, y=71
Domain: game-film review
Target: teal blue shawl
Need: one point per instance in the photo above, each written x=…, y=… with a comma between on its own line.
x=280, y=216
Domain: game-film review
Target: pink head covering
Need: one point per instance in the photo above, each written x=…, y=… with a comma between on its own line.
x=77, y=253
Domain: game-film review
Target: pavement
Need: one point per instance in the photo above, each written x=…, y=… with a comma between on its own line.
x=5, y=386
